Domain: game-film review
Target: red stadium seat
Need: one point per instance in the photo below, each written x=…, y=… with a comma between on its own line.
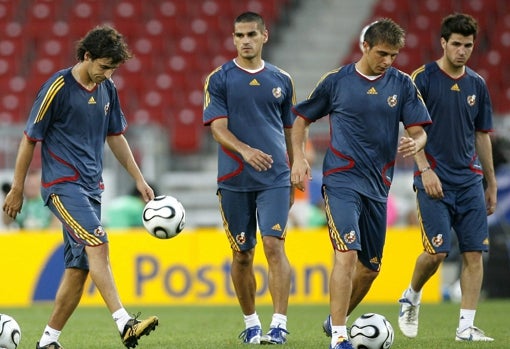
x=186, y=130
x=84, y=15
x=8, y=11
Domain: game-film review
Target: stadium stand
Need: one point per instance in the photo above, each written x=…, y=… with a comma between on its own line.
x=175, y=43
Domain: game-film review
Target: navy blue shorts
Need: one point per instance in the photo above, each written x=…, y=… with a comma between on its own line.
x=81, y=219
x=462, y=210
x=243, y=212
x=356, y=222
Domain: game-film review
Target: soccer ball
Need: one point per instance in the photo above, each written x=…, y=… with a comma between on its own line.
x=10, y=332
x=371, y=331
x=164, y=217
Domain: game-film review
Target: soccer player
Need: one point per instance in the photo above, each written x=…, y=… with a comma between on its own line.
x=449, y=172
x=247, y=104
x=365, y=101
x=75, y=111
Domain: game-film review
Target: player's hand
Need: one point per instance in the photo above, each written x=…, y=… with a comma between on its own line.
x=491, y=199
x=407, y=147
x=146, y=191
x=13, y=203
x=300, y=173
x=257, y=159
x=432, y=184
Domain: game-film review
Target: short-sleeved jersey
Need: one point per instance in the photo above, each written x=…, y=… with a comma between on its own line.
x=72, y=123
x=258, y=107
x=364, y=118
x=458, y=108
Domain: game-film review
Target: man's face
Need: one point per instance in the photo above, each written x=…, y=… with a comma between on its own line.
x=100, y=69
x=458, y=49
x=380, y=57
x=248, y=40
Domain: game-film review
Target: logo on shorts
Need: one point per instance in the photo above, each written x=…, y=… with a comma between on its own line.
x=276, y=227
x=241, y=238
x=99, y=231
x=437, y=240
x=350, y=237
x=374, y=260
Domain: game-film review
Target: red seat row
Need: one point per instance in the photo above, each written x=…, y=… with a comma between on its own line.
x=176, y=43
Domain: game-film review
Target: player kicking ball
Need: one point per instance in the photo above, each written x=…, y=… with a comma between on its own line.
x=74, y=113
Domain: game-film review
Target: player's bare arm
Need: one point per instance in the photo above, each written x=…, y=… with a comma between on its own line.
x=254, y=157
x=431, y=182
x=413, y=142
x=120, y=148
x=484, y=151
x=14, y=199
x=301, y=170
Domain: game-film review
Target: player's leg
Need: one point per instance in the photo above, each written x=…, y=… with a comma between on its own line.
x=71, y=287
x=102, y=276
x=435, y=220
x=372, y=225
x=272, y=215
x=471, y=278
x=361, y=284
x=343, y=208
x=239, y=219
x=472, y=232
x=67, y=299
x=89, y=251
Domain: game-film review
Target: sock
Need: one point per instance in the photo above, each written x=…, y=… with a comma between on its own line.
x=336, y=333
x=49, y=336
x=466, y=319
x=252, y=320
x=279, y=320
x=413, y=296
x=121, y=317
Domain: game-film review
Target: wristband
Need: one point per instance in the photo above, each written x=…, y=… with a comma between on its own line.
x=425, y=169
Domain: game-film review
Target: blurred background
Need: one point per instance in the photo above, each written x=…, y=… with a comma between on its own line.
x=176, y=43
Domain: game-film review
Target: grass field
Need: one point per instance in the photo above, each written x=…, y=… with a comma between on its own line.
x=217, y=327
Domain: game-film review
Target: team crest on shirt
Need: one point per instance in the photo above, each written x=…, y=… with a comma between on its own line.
x=437, y=240
x=350, y=237
x=277, y=92
x=471, y=100
x=106, y=108
x=241, y=238
x=99, y=231
x=392, y=101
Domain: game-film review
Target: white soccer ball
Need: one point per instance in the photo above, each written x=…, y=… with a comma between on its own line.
x=10, y=332
x=164, y=217
x=371, y=331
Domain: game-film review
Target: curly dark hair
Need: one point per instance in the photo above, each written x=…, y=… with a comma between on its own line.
x=103, y=42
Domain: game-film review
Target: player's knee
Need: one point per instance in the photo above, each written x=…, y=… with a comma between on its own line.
x=436, y=258
x=243, y=258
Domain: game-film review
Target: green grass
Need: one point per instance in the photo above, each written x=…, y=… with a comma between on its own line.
x=212, y=327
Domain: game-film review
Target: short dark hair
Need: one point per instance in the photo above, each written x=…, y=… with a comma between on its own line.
x=104, y=42
x=251, y=17
x=385, y=31
x=458, y=23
